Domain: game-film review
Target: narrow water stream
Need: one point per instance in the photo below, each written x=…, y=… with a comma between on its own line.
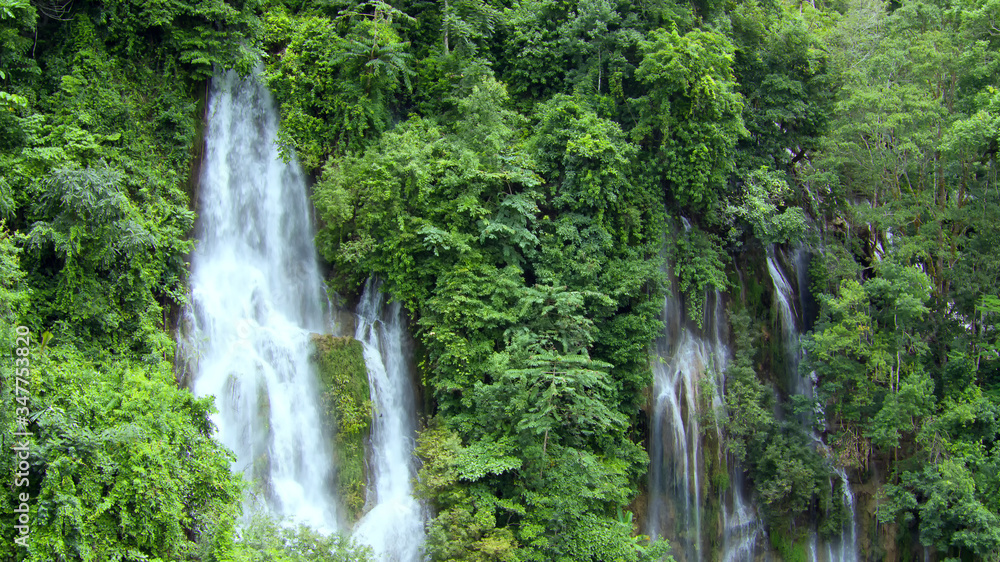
x=843, y=548
x=394, y=526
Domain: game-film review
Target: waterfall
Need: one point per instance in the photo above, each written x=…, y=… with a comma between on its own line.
x=741, y=527
x=394, y=526
x=843, y=548
x=846, y=549
x=256, y=294
x=675, y=458
x=684, y=358
x=784, y=294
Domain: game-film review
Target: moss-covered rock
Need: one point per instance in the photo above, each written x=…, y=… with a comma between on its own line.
x=347, y=406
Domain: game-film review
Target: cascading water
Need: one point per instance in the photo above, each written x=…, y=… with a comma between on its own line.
x=394, y=526
x=846, y=548
x=741, y=526
x=683, y=359
x=843, y=548
x=784, y=294
x=675, y=459
x=256, y=294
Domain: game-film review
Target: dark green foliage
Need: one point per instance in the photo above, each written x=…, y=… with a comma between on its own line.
x=782, y=76
x=692, y=116
x=458, y=216
x=200, y=34
x=783, y=466
x=699, y=264
x=335, y=79
x=97, y=243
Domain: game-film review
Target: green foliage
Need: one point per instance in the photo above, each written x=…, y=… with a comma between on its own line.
x=699, y=264
x=117, y=477
x=458, y=215
x=866, y=339
x=17, y=17
x=342, y=373
x=200, y=34
x=99, y=119
x=786, y=471
x=747, y=399
x=692, y=116
x=467, y=23
x=587, y=158
x=781, y=68
x=346, y=401
x=508, y=168
x=335, y=79
x=763, y=191
x=466, y=525
x=584, y=47
x=99, y=245
x=266, y=540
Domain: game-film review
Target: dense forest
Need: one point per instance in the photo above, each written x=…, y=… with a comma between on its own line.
x=532, y=180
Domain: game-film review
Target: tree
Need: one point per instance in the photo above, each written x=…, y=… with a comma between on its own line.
x=336, y=79
x=691, y=119
x=113, y=477
x=101, y=248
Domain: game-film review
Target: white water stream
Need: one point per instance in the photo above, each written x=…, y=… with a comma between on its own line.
x=394, y=526
x=256, y=295
x=685, y=359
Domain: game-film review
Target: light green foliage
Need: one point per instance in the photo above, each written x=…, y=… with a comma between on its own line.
x=266, y=540
x=118, y=476
x=466, y=525
x=342, y=372
x=588, y=158
x=763, y=191
x=867, y=338
x=343, y=378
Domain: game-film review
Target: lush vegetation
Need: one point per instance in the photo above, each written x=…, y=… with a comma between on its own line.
x=347, y=408
x=520, y=173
